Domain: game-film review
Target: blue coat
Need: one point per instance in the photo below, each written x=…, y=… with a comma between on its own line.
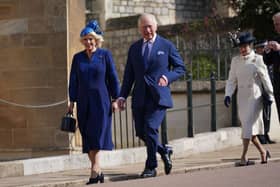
x=93, y=82
x=164, y=60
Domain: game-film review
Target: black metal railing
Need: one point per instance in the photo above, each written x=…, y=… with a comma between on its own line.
x=123, y=130
x=123, y=125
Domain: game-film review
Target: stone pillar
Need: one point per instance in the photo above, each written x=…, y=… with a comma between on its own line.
x=76, y=22
x=35, y=58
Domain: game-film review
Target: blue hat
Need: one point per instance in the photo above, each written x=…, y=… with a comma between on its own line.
x=245, y=38
x=94, y=25
x=86, y=31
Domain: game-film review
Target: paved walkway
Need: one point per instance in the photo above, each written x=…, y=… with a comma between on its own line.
x=202, y=161
x=260, y=175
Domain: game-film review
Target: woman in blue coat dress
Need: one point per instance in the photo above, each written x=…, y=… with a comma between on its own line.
x=94, y=86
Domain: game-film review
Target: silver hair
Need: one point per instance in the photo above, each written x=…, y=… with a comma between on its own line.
x=150, y=16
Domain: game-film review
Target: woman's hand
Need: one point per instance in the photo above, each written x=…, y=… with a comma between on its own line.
x=227, y=101
x=275, y=46
x=70, y=108
x=115, y=106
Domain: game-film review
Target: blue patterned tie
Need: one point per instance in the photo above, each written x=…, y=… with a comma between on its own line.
x=146, y=54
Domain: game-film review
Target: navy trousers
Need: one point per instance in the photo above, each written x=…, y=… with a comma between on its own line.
x=147, y=122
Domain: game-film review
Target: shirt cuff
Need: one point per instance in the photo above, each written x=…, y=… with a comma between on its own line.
x=165, y=78
x=121, y=98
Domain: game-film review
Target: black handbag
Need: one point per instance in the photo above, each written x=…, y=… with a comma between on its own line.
x=68, y=123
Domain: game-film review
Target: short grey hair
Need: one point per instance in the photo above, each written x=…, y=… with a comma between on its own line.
x=277, y=15
x=150, y=16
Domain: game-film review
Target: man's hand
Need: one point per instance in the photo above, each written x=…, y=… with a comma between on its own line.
x=275, y=46
x=163, y=81
x=115, y=106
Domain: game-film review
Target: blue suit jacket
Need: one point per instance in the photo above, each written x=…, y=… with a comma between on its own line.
x=164, y=60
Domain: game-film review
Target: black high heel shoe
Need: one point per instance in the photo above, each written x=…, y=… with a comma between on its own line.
x=98, y=178
x=267, y=156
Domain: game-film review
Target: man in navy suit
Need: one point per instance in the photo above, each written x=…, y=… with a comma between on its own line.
x=153, y=63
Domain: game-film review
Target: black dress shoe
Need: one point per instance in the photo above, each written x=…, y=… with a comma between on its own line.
x=148, y=173
x=166, y=158
x=98, y=178
x=271, y=142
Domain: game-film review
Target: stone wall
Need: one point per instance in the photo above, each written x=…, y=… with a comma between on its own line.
x=167, y=11
x=190, y=38
x=33, y=72
x=119, y=37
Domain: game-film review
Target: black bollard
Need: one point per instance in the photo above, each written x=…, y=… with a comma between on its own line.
x=213, y=102
x=189, y=106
